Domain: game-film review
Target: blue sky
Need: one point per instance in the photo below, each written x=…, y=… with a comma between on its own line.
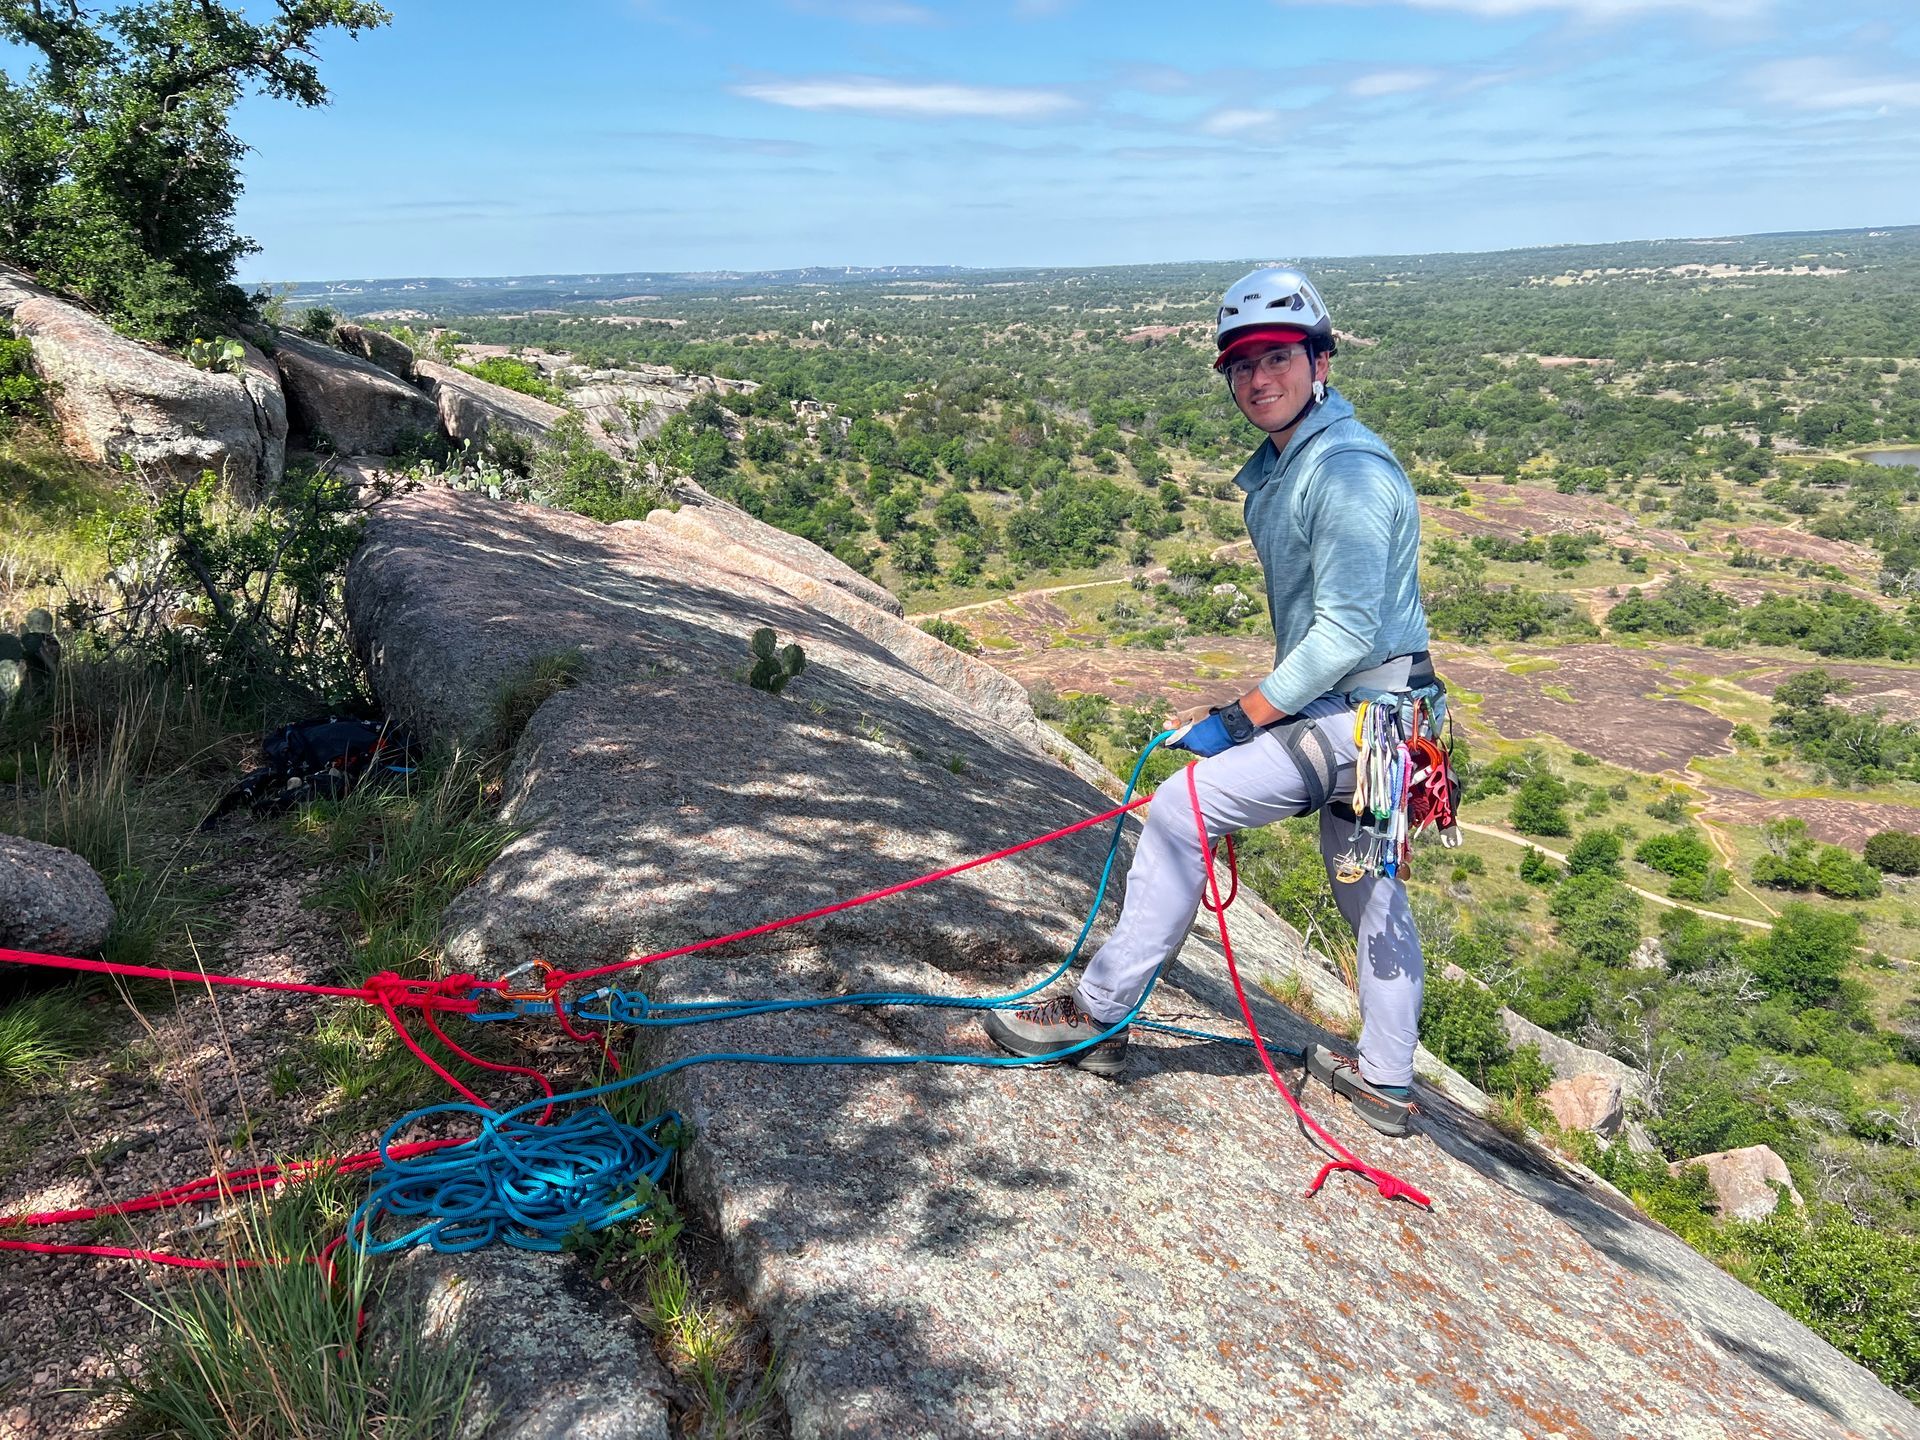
x=487, y=137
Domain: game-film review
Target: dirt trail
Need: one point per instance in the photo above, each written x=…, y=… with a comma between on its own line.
x=1671, y=904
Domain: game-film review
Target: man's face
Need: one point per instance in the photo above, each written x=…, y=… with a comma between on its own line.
x=1272, y=382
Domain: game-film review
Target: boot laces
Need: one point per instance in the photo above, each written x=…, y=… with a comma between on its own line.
x=1059, y=1010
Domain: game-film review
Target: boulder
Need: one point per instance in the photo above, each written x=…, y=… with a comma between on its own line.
x=1586, y=1102
x=349, y=404
x=50, y=900
x=1744, y=1180
x=947, y=1250
x=470, y=407
x=554, y=1356
x=766, y=550
x=120, y=401
x=393, y=356
x=1649, y=954
x=1567, y=1059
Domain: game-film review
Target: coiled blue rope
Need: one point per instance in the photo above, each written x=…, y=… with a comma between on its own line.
x=532, y=1185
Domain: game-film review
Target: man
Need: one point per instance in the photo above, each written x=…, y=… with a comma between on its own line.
x=1336, y=525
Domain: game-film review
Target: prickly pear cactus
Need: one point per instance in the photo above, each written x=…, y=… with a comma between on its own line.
x=773, y=665
x=29, y=658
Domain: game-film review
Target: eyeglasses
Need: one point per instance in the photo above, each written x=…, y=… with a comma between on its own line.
x=1271, y=363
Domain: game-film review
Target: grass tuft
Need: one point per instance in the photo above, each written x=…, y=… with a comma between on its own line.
x=275, y=1353
x=514, y=706
x=42, y=1034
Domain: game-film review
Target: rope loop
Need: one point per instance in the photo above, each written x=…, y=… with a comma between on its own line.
x=525, y=1184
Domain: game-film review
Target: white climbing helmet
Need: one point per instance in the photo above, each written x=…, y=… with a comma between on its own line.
x=1275, y=303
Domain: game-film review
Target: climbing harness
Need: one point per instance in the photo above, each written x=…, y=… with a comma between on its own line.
x=528, y=1180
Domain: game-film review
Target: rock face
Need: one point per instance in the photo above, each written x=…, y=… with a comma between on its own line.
x=393, y=356
x=1586, y=1102
x=116, y=399
x=1743, y=1180
x=348, y=403
x=1567, y=1060
x=469, y=406
x=943, y=1250
x=50, y=900
x=554, y=1358
x=641, y=399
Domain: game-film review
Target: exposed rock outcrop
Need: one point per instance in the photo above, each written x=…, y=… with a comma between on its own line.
x=639, y=400
x=349, y=404
x=118, y=400
x=393, y=356
x=50, y=900
x=1744, y=1180
x=946, y=1251
x=773, y=554
x=469, y=406
x=1567, y=1059
x=554, y=1357
x=1586, y=1102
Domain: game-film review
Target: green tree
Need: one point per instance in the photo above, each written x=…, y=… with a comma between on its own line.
x=1599, y=918
x=1596, y=852
x=1540, y=807
x=1806, y=952
x=1895, y=852
x=118, y=171
x=1678, y=852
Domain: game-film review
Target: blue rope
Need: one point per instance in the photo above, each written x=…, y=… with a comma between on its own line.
x=534, y=1185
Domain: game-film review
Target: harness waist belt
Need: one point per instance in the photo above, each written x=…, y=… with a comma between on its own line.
x=1402, y=672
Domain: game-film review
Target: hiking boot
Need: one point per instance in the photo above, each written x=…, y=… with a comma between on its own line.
x=1054, y=1025
x=1384, y=1107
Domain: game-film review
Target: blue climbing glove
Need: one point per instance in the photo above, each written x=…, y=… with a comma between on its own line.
x=1203, y=737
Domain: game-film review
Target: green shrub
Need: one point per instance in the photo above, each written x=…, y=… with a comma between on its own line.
x=1537, y=869
x=1680, y=852
x=1540, y=807
x=1894, y=852
x=570, y=471
x=1596, y=851
x=21, y=394
x=513, y=374
x=1857, y=1286
x=950, y=632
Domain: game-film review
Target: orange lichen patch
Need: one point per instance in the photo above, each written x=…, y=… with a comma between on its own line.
x=1553, y=1419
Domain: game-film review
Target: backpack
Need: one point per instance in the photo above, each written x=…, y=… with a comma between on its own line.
x=320, y=758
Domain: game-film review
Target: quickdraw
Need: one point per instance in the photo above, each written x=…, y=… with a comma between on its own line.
x=1404, y=783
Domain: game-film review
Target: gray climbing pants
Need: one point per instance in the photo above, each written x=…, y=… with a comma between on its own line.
x=1241, y=789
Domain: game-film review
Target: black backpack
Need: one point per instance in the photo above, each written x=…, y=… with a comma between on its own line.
x=321, y=758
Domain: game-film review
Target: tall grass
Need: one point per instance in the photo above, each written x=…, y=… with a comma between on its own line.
x=117, y=763
x=275, y=1353
x=409, y=849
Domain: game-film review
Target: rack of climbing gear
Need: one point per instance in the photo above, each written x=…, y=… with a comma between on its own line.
x=1403, y=782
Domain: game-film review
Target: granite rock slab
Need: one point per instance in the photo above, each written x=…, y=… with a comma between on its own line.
x=975, y=1250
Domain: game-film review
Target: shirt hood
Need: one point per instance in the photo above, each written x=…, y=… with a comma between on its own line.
x=1265, y=462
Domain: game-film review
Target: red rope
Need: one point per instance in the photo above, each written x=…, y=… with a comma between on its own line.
x=558, y=978
x=390, y=992
x=382, y=989
x=1390, y=1186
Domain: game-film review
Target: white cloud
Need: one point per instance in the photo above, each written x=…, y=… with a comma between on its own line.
x=1591, y=10
x=1391, y=82
x=919, y=99
x=1238, y=120
x=1818, y=84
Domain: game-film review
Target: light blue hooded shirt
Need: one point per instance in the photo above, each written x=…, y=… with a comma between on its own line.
x=1336, y=525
